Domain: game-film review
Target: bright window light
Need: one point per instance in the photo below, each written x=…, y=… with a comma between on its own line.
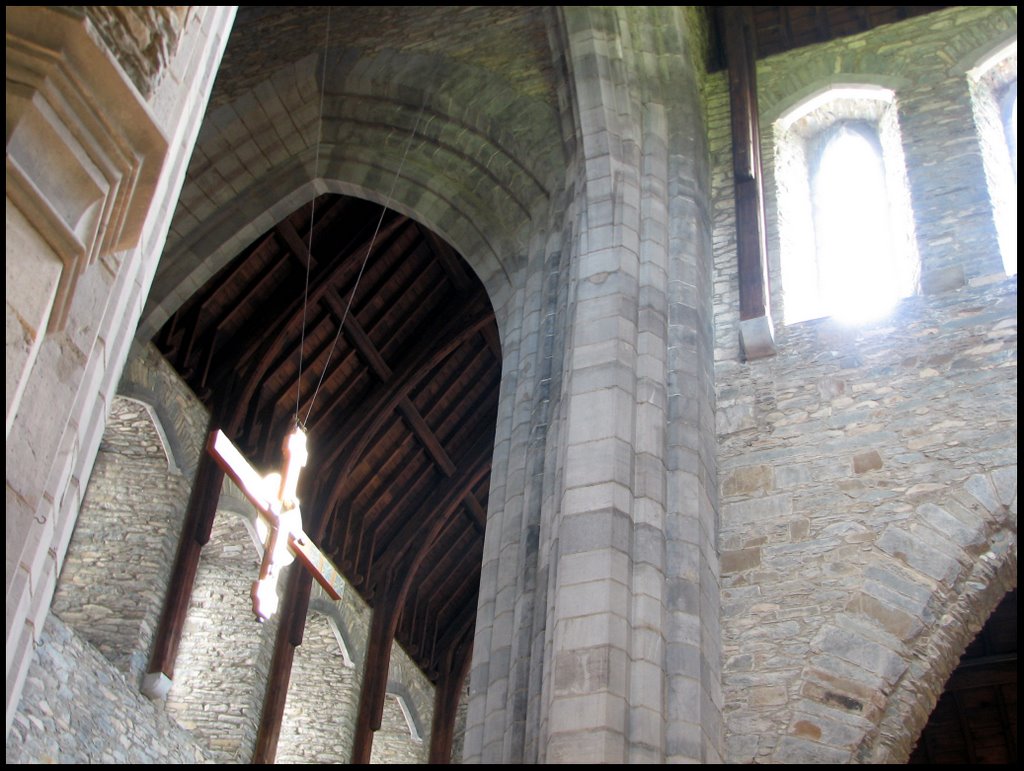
x=994, y=99
x=851, y=224
x=845, y=227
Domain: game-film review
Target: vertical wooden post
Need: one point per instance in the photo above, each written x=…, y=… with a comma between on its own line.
x=195, y=533
x=446, y=702
x=375, y=674
x=757, y=335
x=290, y=631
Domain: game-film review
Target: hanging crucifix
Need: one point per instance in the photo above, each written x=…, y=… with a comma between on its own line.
x=274, y=497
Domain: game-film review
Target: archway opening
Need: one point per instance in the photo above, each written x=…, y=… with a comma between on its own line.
x=975, y=719
x=375, y=334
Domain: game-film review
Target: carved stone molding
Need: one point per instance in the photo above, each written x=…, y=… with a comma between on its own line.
x=83, y=151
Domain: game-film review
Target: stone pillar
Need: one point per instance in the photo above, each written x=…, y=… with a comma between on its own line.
x=96, y=153
x=597, y=636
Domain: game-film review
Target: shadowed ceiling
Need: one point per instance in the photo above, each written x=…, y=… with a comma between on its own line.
x=399, y=407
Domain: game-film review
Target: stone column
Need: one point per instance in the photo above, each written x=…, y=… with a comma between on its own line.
x=597, y=637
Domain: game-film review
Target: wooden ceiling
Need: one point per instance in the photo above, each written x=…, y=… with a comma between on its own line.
x=401, y=428
x=975, y=721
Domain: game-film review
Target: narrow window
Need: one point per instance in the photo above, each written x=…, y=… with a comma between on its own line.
x=993, y=86
x=1010, y=123
x=845, y=228
x=852, y=233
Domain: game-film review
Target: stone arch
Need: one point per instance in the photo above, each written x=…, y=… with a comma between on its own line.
x=496, y=152
x=179, y=418
x=342, y=634
x=965, y=54
x=875, y=672
x=871, y=85
x=992, y=82
x=407, y=706
x=967, y=606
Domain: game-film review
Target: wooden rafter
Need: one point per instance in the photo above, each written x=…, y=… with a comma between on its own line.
x=401, y=431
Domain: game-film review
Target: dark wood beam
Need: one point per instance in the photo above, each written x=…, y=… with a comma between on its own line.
x=300, y=251
x=360, y=340
x=412, y=543
x=212, y=301
x=290, y=631
x=447, y=693
x=195, y=533
x=394, y=596
x=757, y=337
x=787, y=25
x=383, y=622
x=363, y=427
x=368, y=351
x=267, y=346
x=821, y=22
x=1008, y=721
x=439, y=575
x=479, y=514
x=239, y=305
x=360, y=554
x=449, y=259
x=460, y=626
x=965, y=728
x=426, y=436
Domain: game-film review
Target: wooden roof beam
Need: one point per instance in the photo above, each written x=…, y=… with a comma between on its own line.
x=410, y=546
x=757, y=336
x=449, y=333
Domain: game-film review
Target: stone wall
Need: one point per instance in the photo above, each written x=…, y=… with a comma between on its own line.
x=118, y=564
x=323, y=695
x=83, y=702
x=868, y=475
x=224, y=656
x=224, y=660
x=110, y=595
x=323, y=698
x=109, y=599
x=142, y=37
x=78, y=708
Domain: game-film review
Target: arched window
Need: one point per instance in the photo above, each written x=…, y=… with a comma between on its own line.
x=844, y=210
x=994, y=98
x=852, y=232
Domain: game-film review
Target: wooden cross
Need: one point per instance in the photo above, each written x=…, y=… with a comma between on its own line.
x=275, y=499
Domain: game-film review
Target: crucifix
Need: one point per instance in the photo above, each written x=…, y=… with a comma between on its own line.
x=274, y=497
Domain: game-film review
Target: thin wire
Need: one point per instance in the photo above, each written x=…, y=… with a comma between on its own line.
x=312, y=216
x=366, y=258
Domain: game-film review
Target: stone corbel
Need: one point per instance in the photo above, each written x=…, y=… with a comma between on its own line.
x=757, y=338
x=84, y=153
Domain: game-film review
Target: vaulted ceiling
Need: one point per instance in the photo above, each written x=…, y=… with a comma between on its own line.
x=399, y=402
